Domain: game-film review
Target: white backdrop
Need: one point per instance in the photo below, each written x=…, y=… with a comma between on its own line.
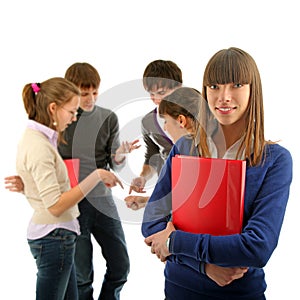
x=40, y=39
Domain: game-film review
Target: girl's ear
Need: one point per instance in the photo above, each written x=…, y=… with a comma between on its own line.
x=52, y=108
x=182, y=120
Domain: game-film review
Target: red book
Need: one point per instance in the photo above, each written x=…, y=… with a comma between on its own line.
x=72, y=165
x=208, y=194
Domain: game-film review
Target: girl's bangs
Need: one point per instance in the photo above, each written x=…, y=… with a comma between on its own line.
x=227, y=67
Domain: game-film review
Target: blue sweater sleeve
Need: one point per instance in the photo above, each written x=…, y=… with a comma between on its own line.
x=266, y=196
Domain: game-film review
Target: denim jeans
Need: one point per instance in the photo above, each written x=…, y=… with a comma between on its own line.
x=108, y=233
x=54, y=256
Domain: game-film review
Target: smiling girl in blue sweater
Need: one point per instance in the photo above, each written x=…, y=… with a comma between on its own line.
x=202, y=266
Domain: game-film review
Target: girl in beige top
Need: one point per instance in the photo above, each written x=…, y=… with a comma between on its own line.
x=51, y=106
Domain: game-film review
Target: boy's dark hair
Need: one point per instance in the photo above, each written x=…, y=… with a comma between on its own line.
x=162, y=74
x=83, y=75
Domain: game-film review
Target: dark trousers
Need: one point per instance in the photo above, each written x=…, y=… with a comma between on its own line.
x=176, y=292
x=108, y=233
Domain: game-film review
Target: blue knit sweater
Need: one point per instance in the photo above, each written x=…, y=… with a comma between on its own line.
x=266, y=196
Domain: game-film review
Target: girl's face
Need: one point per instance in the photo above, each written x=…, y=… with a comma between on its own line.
x=228, y=103
x=88, y=98
x=66, y=114
x=174, y=128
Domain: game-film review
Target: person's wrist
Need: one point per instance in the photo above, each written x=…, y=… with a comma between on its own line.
x=119, y=158
x=143, y=178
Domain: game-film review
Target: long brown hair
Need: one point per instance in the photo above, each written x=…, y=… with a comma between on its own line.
x=234, y=65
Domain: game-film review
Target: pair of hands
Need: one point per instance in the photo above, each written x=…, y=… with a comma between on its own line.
x=136, y=202
x=220, y=275
x=15, y=184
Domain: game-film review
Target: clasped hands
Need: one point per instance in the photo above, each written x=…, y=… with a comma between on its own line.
x=220, y=275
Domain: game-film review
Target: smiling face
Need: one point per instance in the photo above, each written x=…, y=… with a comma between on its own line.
x=228, y=103
x=232, y=89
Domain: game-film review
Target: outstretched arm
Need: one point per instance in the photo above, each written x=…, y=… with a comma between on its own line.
x=72, y=197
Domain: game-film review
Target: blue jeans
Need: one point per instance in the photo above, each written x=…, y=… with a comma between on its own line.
x=108, y=233
x=54, y=256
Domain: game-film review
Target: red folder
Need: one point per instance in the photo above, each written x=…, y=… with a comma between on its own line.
x=208, y=194
x=72, y=165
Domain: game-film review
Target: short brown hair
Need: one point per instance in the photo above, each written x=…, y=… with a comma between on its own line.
x=83, y=75
x=162, y=74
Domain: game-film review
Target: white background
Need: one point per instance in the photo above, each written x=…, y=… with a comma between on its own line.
x=40, y=39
